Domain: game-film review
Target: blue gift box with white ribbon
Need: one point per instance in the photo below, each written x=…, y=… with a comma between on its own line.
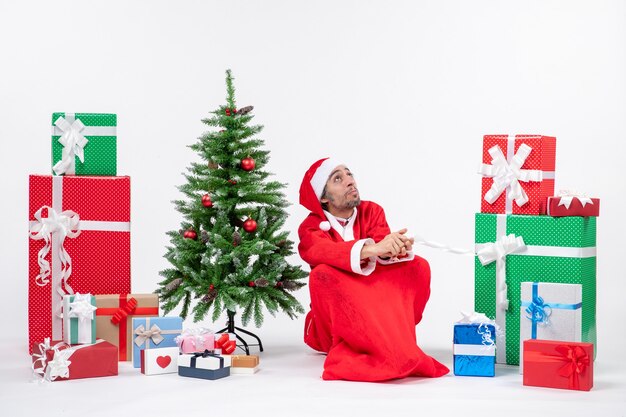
x=550, y=311
x=474, y=349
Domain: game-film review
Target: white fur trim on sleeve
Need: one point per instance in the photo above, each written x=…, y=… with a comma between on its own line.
x=355, y=258
x=409, y=257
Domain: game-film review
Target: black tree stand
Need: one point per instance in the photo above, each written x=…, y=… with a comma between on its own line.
x=230, y=328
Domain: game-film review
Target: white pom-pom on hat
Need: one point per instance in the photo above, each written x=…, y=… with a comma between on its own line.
x=325, y=226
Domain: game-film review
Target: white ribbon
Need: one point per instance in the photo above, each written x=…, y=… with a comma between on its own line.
x=567, y=196
x=73, y=143
x=474, y=350
x=497, y=252
x=80, y=308
x=143, y=335
x=507, y=174
x=198, y=336
x=65, y=224
x=474, y=318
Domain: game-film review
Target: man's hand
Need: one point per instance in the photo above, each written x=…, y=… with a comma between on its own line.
x=393, y=245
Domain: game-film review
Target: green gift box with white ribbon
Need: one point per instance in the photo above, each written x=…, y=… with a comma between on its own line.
x=512, y=249
x=84, y=144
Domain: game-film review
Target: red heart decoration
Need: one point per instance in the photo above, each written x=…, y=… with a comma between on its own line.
x=163, y=361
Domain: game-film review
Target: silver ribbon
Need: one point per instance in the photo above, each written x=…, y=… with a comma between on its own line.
x=144, y=335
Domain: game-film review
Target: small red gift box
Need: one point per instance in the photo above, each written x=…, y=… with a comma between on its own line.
x=558, y=364
x=518, y=173
x=573, y=205
x=79, y=242
x=58, y=361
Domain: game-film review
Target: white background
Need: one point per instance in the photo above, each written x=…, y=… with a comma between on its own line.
x=401, y=91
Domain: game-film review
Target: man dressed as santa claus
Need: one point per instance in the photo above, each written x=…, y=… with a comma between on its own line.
x=368, y=289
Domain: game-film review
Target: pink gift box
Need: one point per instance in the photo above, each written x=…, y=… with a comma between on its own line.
x=195, y=340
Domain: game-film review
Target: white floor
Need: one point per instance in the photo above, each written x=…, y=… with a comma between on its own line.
x=289, y=384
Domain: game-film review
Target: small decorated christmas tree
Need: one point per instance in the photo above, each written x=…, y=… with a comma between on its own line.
x=230, y=253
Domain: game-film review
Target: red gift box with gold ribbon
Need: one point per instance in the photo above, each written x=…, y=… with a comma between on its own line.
x=558, y=364
x=114, y=316
x=79, y=243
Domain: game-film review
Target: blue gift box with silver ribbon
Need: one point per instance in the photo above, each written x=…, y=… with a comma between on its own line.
x=550, y=311
x=474, y=349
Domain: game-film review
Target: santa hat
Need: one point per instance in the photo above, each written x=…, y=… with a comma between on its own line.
x=313, y=185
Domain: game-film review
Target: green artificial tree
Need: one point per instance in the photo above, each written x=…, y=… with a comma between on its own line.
x=230, y=254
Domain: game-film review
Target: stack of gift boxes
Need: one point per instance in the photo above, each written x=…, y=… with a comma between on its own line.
x=82, y=318
x=535, y=266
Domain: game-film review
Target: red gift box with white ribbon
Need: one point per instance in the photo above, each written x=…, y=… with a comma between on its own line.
x=571, y=203
x=558, y=364
x=58, y=361
x=518, y=173
x=79, y=243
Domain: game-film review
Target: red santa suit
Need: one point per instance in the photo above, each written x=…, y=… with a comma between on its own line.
x=363, y=313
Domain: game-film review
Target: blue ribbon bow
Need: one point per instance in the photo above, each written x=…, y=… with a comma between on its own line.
x=538, y=311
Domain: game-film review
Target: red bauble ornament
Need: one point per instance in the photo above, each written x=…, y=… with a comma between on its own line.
x=211, y=286
x=206, y=201
x=227, y=111
x=249, y=225
x=251, y=284
x=279, y=284
x=190, y=234
x=248, y=164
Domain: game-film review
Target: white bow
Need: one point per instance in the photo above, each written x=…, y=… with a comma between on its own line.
x=73, y=143
x=474, y=317
x=58, y=367
x=82, y=308
x=567, y=196
x=66, y=224
x=497, y=251
x=507, y=174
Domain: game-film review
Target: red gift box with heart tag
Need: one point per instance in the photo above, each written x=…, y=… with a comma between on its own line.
x=558, y=364
x=159, y=361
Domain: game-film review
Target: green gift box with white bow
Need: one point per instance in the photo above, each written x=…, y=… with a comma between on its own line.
x=512, y=249
x=84, y=144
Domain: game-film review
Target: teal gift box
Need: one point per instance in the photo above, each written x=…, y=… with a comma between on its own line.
x=512, y=249
x=153, y=332
x=79, y=319
x=84, y=144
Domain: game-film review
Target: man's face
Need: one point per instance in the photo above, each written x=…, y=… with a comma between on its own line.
x=341, y=192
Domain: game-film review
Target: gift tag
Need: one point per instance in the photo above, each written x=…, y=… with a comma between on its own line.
x=159, y=361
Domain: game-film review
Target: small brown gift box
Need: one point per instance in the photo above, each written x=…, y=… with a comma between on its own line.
x=114, y=316
x=244, y=361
